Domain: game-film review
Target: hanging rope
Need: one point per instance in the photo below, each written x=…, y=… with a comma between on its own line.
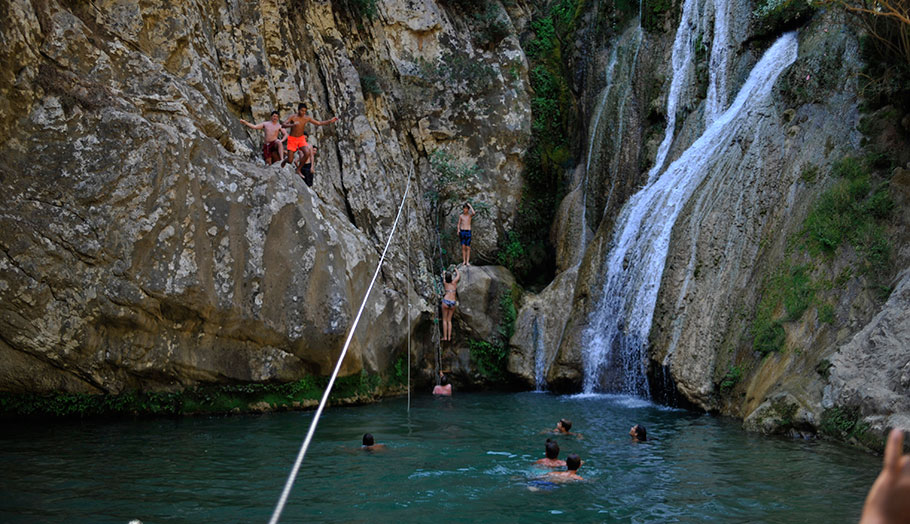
x=440, y=290
x=407, y=225
x=328, y=389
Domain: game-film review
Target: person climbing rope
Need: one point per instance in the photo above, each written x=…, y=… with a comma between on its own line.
x=297, y=124
x=448, y=303
x=464, y=232
x=274, y=135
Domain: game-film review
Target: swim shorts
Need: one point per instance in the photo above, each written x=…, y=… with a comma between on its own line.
x=267, y=149
x=296, y=142
x=307, y=173
x=465, y=235
x=541, y=485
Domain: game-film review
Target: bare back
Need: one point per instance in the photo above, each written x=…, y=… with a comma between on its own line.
x=450, y=288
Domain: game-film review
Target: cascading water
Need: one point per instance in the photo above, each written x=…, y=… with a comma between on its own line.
x=540, y=359
x=681, y=62
x=608, y=134
x=619, y=329
x=716, y=100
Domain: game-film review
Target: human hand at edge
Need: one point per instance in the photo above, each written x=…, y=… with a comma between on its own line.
x=889, y=498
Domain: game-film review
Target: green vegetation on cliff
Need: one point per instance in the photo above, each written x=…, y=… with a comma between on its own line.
x=527, y=250
x=302, y=393
x=492, y=357
x=846, y=424
x=850, y=215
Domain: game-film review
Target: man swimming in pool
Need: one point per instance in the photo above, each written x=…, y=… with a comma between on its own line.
x=274, y=133
x=369, y=444
x=297, y=123
x=573, y=462
x=464, y=232
x=551, y=460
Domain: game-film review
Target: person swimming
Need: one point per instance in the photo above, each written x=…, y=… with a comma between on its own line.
x=638, y=433
x=563, y=427
x=444, y=388
x=573, y=462
x=551, y=459
x=369, y=443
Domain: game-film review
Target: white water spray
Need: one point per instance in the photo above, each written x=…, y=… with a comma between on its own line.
x=719, y=63
x=681, y=63
x=619, y=329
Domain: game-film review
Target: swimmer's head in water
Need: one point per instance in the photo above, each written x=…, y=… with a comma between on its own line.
x=638, y=432
x=552, y=449
x=573, y=462
x=448, y=278
x=564, y=424
x=368, y=439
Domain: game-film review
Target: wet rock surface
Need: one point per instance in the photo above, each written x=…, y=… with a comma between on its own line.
x=144, y=244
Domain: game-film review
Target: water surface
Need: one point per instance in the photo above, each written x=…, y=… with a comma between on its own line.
x=464, y=459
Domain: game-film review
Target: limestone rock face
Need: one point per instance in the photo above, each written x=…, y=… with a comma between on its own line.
x=872, y=370
x=145, y=245
x=711, y=271
x=539, y=329
x=478, y=316
x=733, y=232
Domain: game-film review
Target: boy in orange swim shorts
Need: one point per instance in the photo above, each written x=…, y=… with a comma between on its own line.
x=298, y=138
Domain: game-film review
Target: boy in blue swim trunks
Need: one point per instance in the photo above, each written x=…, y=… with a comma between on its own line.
x=464, y=232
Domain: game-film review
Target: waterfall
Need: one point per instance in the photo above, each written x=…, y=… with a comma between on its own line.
x=595, y=127
x=618, y=333
x=540, y=358
x=719, y=63
x=681, y=62
x=612, y=100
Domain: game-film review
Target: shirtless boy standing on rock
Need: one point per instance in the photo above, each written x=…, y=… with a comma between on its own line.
x=464, y=232
x=274, y=132
x=297, y=123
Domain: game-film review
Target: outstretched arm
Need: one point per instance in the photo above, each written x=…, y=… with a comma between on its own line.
x=471, y=208
x=457, y=277
x=249, y=125
x=323, y=122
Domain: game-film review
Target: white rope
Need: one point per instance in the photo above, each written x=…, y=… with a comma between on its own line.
x=328, y=389
x=408, y=289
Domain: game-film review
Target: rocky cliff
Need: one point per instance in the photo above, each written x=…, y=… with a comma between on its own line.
x=758, y=314
x=144, y=243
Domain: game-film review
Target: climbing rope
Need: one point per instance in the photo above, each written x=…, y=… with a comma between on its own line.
x=440, y=291
x=328, y=389
x=407, y=225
